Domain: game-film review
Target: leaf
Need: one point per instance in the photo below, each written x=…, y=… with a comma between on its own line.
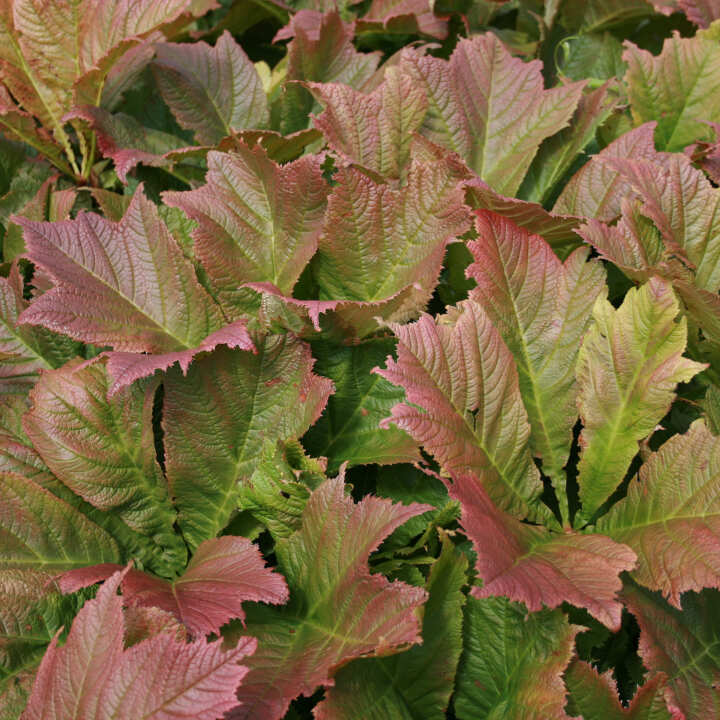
x=629, y=364
x=418, y=682
x=597, y=189
x=405, y=17
x=464, y=405
x=595, y=697
x=338, y=611
x=490, y=108
x=685, y=645
x=677, y=89
x=211, y=91
x=217, y=419
x=257, y=221
x=92, y=677
x=701, y=12
x=373, y=130
x=602, y=14
x=348, y=431
x=528, y=564
x=541, y=308
x=222, y=574
x=104, y=450
x=38, y=531
x=512, y=662
x=671, y=516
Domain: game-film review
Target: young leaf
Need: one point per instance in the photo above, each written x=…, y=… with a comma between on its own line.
x=595, y=697
x=222, y=574
x=541, y=308
x=338, y=612
x=257, y=221
x=512, y=662
x=348, y=430
x=683, y=644
x=671, y=516
x=531, y=565
x=490, y=107
x=629, y=364
x=373, y=130
x=677, y=89
x=464, y=405
x=701, y=12
x=416, y=683
x=404, y=17
x=211, y=91
x=93, y=678
x=217, y=419
x=104, y=451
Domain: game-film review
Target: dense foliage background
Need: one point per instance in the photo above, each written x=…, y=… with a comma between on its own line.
x=360, y=359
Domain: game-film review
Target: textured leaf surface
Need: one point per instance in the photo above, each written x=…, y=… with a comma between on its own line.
x=512, y=662
x=373, y=130
x=103, y=450
x=91, y=676
x=211, y=91
x=490, y=108
x=701, y=12
x=403, y=16
x=596, y=190
x=217, y=419
x=527, y=563
x=464, y=405
x=348, y=430
x=338, y=611
x=595, y=697
x=678, y=89
x=257, y=221
x=683, y=644
x=629, y=364
x=542, y=308
x=416, y=683
x=671, y=516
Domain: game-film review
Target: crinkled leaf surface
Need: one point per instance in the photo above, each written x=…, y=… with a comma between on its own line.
x=542, y=308
x=211, y=90
x=701, y=12
x=338, y=610
x=348, y=430
x=671, y=515
x=629, y=364
x=103, y=450
x=677, y=89
x=403, y=16
x=93, y=678
x=464, y=405
x=217, y=419
x=512, y=662
x=257, y=221
x=490, y=107
x=419, y=682
x=529, y=564
x=683, y=644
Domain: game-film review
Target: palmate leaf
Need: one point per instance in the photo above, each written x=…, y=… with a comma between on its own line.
x=338, y=610
x=682, y=644
x=257, y=221
x=93, y=678
x=218, y=418
x=419, y=682
x=629, y=364
x=678, y=89
x=490, y=108
x=348, y=431
x=529, y=564
x=222, y=574
x=595, y=697
x=671, y=516
x=541, y=308
x=104, y=450
x=512, y=662
x=464, y=405
x=127, y=285
x=211, y=91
